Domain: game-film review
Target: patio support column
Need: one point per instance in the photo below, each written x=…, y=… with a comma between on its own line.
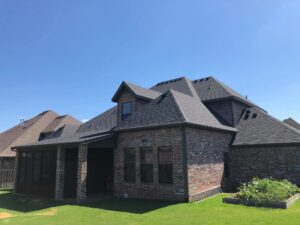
x=60, y=173
x=82, y=173
x=16, y=171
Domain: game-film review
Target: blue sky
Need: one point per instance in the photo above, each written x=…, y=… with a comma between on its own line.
x=70, y=56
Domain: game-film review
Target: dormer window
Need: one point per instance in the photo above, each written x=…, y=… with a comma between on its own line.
x=126, y=109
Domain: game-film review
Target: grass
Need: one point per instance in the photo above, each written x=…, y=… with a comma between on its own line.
x=15, y=210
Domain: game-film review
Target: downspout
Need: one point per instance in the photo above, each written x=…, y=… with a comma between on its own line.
x=185, y=162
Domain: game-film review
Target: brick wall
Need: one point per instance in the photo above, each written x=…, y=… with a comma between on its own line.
x=150, y=138
x=277, y=162
x=205, y=163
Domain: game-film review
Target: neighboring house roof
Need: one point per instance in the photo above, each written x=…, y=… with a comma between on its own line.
x=137, y=91
x=60, y=121
x=258, y=128
x=292, y=123
x=29, y=131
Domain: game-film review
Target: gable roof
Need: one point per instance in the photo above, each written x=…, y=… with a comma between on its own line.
x=292, y=123
x=137, y=91
x=210, y=88
x=258, y=128
x=17, y=133
x=30, y=130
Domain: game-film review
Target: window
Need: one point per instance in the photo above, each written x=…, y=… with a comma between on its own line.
x=146, y=165
x=126, y=109
x=129, y=165
x=165, y=165
x=226, y=164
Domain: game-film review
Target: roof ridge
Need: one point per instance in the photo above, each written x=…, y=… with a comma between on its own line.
x=171, y=91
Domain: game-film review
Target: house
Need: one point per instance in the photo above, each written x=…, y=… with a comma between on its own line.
x=29, y=131
x=179, y=140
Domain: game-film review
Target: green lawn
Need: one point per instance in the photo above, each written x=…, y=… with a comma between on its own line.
x=30, y=211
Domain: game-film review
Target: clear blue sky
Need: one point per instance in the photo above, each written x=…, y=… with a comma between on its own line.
x=70, y=56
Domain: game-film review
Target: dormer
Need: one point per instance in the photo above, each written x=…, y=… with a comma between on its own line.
x=131, y=98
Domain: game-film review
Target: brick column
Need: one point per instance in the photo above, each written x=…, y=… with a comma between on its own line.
x=17, y=159
x=82, y=173
x=60, y=173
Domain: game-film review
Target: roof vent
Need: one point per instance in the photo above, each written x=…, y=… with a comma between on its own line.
x=206, y=79
x=247, y=115
x=254, y=115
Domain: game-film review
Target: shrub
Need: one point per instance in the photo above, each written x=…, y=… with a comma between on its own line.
x=267, y=189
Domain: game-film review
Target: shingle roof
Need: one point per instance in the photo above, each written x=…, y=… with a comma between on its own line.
x=173, y=107
x=60, y=121
x=211, y=89
x=259, y=128
x=137, y=91
x=67, y=135
x=95, y=128
x=24, y=133
x=292, y=123
x=102, y=123
x=181, y=84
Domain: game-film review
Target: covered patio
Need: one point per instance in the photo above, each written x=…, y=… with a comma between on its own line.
x=67, y=170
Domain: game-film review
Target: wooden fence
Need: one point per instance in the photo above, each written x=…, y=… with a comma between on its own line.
x=6, y=178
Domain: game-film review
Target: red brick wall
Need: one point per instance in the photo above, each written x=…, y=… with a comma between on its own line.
x=205, y=160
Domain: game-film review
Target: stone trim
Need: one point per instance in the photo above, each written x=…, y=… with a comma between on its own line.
x=204, y=194
x=60, y=174
x=82, y=173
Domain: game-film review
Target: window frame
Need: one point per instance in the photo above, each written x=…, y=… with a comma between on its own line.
x=125, y=115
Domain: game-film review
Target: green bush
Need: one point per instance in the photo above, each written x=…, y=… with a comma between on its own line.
x=267, y=189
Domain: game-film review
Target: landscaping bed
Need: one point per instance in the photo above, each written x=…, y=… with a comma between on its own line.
x=266, y=193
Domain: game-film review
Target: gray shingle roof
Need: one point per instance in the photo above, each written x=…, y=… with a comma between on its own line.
x=102, y=123
x=137, y=91
x=292, y=123
x=211, y=89
x=170, y=108
x=181, y=84
x=259, y=128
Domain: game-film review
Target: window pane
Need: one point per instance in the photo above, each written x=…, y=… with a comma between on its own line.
x=129, y=165
x=126, y=109
x=146, y=165
x=165, y=165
